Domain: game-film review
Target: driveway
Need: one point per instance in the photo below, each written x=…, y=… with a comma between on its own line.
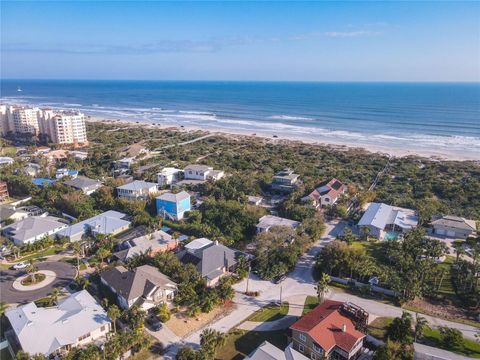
x=64, y=271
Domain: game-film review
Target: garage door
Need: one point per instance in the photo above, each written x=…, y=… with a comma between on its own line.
x=450, y=233
x=440, y=231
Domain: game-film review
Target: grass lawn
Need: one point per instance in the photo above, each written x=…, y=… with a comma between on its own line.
x=459, y=320
x=270, y=313
x=471, y=348
x=378, y=327
x=42, y=253
x=240, y=343
x=310, y=303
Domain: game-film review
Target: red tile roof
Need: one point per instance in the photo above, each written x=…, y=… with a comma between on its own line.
x=324, y=325
x=334, y=188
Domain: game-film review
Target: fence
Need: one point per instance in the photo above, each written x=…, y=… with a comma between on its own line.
x=359, y=284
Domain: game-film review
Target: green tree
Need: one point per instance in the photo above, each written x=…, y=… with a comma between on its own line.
x=32, y=268
x=210, y=341
x=400, y=330
x=394, y=351
x=53, y=298
x=187, y=353
x=451, y=338
x=322, y=287
x=163, y=312
x=421, y=324
x=3, y=307
x=114, y=313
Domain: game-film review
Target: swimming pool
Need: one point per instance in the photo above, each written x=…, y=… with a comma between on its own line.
x=391, y=235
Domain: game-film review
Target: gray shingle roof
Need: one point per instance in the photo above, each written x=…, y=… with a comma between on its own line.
x=137, y=185
x=32, y=227
x=82, y=182
x=105, y=223
x=132, y=284
x=171, y=197
x=456, y=222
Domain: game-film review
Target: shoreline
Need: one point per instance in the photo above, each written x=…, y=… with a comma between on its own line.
x=265, y=135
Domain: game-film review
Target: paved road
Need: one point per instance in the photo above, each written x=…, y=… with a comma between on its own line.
x=64, y=271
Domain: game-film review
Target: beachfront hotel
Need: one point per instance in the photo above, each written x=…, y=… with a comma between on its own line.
x=62, y=127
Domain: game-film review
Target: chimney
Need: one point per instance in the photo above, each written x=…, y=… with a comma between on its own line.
x=344, y=327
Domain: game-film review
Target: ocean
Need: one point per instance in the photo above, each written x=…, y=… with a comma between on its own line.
x=443, y=117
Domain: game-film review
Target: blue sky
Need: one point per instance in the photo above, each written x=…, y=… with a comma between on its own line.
x=321, y=41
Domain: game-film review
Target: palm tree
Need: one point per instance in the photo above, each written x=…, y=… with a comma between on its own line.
x=114, y=313
x=32, y=269
x=54, y=296
x=103, y=253
x=77, y=251
x=210, y=341
x=322, y=286
x=421, y=324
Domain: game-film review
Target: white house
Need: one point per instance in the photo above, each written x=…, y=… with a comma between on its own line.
x=137, y=190
x=76, y=321
x=33, y=228
x=268, y=221
x=387, y=222
x=202, y=172
x=144, y=286
x=168, y=176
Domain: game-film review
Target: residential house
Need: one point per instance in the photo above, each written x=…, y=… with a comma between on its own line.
x=43, y=182
x=267, y=351
x=10, y=214
x=84, y=184
x=268, y=221
x=454, y=227
x=151, y=244
x=285, y=181
x=137, y=190
x=387, y=222
x=125, y=163
x=66, y=172
x=134, y=150
x=326, y=194
x=143, y=286
x=108, y=223
x=211, y=259
x=76, y=321
x=57, y=155
x=32, y=169
x=173, y=206
x=5, y=160
x=254, y=200
x=202, y=172
x=168, y=176
x=33, y=228
x=330, y=331
x=79, y=155
x=4, y=195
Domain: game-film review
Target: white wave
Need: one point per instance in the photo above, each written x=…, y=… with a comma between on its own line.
x=290, y=117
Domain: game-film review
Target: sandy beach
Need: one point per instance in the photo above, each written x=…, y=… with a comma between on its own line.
x=279, y=137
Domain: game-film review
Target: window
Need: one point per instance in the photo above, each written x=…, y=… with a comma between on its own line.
x=313, y=356
x=302, y=337
x=301, y=348
x=83, y=337
x=317, y=348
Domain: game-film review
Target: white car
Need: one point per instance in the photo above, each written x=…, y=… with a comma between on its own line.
x=20, y=266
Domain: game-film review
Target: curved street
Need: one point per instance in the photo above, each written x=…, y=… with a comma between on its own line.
x=65, y=273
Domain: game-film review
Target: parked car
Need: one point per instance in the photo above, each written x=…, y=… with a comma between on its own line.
x=154, y=323
x=20, y=266
x=279, y=279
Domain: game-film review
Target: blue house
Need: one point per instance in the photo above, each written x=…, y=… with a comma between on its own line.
x=173, y=206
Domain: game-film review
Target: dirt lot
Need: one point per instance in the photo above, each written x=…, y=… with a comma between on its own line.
x=182, y=325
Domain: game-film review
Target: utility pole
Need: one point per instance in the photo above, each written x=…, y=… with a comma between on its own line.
x=248, y=277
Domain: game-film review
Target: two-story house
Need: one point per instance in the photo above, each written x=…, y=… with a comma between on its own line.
x=137, y=190
x=326, y=194
x=173, y=206
x=330, y=331
x=285, y=181
x=143, y=286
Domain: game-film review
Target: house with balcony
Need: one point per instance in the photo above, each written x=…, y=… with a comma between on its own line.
x=285, y=181
x=326, y=194
x=333, y=330
x=137, y=190
x=173, y=206
x=143, y=286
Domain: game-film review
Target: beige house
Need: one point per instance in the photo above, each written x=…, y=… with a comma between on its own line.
x=454, y=227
